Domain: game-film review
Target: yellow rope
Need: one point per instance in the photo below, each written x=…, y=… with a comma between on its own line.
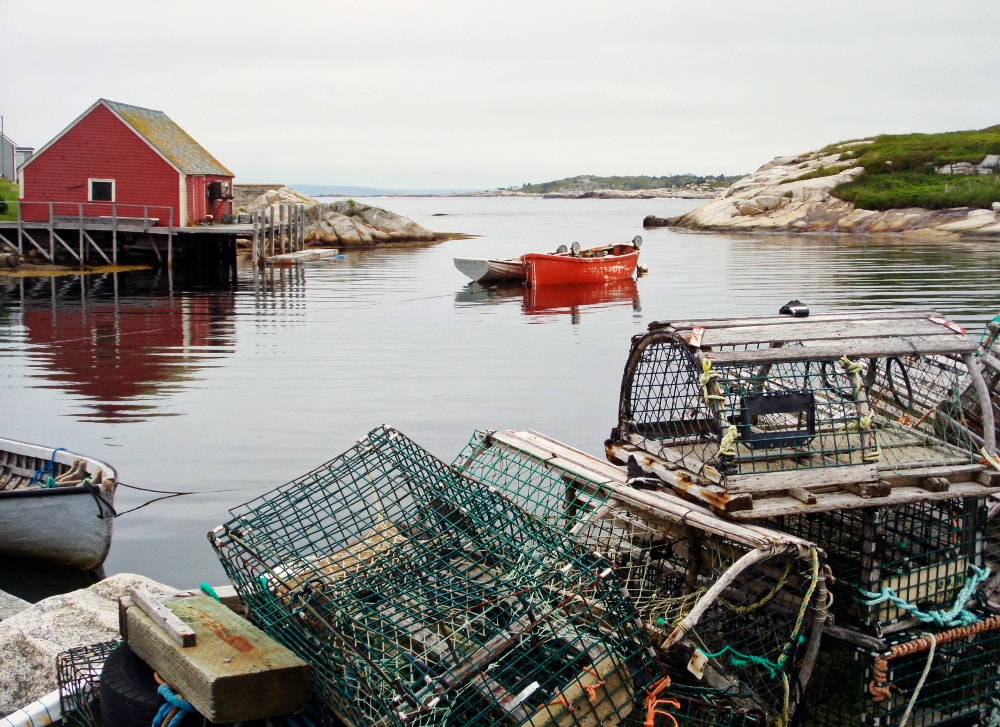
x=727, y=447
x=706, y=378
x=864, y=424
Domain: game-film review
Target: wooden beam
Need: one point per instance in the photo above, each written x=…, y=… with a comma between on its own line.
x=234, y=673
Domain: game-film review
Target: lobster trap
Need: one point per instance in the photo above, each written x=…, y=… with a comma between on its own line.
x=78, y=673
x=423, y=597
x=898, y=566
x=758, y=417
x=961, y=417
x=736, y=612
x=916, y=679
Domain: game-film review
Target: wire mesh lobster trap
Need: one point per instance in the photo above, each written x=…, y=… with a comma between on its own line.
x=965, y=415
x=764, y=416
x=423, y=597
x=901, y=566
x=736, y=611
x=941, y=676
x=78, y=674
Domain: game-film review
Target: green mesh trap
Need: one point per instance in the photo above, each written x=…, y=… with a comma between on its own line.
x=915, y=679
x=910, y=564
x=749, y=601
x=421, y=596
x=78, y=673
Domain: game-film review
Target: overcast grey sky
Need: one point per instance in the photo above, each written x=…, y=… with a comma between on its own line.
x=465, y=94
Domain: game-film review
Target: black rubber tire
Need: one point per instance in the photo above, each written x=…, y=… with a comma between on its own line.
x=128, y=690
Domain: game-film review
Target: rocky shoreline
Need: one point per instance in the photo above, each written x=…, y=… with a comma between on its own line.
x=33, y=635
x=776, y=198
x=663, y=193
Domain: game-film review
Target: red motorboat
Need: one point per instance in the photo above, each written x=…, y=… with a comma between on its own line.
x=593, y=265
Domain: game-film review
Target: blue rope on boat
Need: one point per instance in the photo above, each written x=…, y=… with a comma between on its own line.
x=45, y=477
x=172, y=702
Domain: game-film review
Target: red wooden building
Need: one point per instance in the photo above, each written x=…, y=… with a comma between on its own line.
x=122, y=161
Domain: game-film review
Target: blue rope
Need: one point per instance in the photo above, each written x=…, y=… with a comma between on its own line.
x=44, y=477
x=172, y=702
x=957, y=615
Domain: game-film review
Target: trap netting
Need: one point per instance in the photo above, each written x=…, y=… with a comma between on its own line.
x=905, y=565
x=744, y=410
x=78, y=673
x=927, y=678
x=744, y=605
x=744, y=415
x=422, y=597
x=962, y=417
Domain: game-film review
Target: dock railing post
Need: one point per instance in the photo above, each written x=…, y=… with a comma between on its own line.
x=52, y=233
x=80, y=222
x=272, y=248
x=283, y=225
x=170, y=236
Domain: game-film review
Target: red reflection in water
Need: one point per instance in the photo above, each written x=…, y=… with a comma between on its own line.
x=118, y=354
x=568, y=298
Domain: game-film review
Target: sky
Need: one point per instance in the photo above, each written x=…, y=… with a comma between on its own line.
x=465, y=94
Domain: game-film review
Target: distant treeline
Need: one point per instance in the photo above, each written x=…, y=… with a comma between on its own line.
x=586, y=183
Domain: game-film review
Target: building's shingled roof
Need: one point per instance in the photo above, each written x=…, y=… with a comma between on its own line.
x=169, y=139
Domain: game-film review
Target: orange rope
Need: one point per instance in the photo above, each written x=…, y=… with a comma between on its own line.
x=654, y=702
x=591, y=689
x=879, y=686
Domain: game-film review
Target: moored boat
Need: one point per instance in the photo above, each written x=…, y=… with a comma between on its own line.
x=55, y=506
x=491, y=270
x=567, y=265
x=592, y=265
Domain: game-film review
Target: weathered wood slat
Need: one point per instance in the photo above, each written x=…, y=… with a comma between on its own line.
x=163, y=617
x=858, y=329
x=854, y=349
x=808, y=479
x=776, y=506
x=890, y=313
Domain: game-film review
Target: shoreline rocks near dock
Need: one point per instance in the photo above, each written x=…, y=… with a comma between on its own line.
x=347, y=224
x=776, y=198
x=33, y=635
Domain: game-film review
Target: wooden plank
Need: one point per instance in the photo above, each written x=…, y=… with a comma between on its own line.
x=563, y=455
x=843, y=500
x=805, y=478
x=888, y=313
x=163, y=617
x=234, y=673
x=854, y=349
x=809, y=331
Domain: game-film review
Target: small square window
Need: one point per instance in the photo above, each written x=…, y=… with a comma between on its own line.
x=102, y=190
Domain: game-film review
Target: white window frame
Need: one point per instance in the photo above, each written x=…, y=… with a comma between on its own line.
x=90, y=189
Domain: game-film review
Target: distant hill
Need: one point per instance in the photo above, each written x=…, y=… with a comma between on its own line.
x=332, y=190
x=590, y=183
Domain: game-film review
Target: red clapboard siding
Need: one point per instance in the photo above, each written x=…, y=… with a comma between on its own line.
x=100, y=146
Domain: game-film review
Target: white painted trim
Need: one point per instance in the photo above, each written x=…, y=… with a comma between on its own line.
x=182, y=207
x=90, y=189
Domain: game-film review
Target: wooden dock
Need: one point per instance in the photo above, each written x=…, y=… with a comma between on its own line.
x=146, y=235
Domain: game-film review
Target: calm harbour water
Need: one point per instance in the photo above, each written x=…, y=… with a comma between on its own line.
x=227, y=393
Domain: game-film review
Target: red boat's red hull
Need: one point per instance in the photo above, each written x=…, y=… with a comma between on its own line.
x=546, y=269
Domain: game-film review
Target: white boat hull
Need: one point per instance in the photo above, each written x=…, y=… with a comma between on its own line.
x=491, y=271
x=63, y=523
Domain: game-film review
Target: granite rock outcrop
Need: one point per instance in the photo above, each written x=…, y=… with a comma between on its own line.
x=785, y=196
x=346, y=223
